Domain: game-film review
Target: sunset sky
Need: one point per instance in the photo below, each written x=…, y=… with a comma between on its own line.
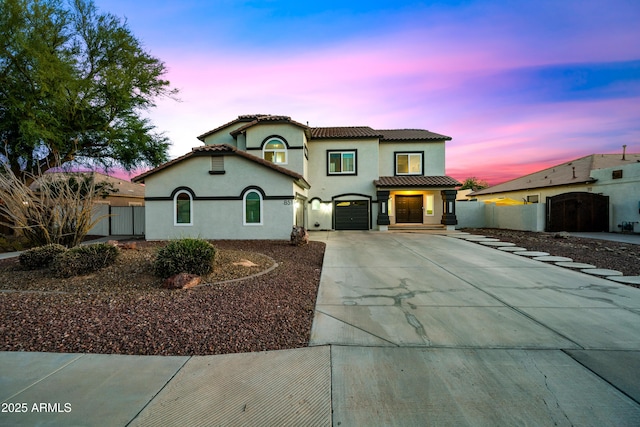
x=518, y=85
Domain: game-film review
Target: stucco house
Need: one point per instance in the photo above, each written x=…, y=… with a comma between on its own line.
x=613, y=177
x=259, y=175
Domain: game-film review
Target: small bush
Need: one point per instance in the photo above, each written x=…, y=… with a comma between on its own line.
x=40, y=257
x=84, y=259
x=194, y=256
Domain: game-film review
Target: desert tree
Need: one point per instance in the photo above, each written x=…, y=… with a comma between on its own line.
x=74, y=85
x=473, y=184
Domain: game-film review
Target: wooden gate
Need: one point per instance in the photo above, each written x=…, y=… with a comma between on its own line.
x=578, y=211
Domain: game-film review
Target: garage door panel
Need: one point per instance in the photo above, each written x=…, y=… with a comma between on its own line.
x=352, y=215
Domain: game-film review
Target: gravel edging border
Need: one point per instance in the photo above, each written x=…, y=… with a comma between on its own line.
x=594, y=267
x=240, y=279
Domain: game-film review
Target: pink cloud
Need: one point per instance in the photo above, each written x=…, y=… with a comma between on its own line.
x=419, y=77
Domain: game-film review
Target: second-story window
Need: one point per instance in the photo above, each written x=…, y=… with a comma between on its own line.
x=408, y=163
x=275, y=151
x=341, y=162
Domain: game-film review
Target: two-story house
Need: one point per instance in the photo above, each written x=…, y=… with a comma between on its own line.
x=259, y=175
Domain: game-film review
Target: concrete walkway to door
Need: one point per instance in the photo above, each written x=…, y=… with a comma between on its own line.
x=434, y=330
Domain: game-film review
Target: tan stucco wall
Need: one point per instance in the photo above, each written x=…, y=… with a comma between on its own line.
x=433, y=157
x=116, y=200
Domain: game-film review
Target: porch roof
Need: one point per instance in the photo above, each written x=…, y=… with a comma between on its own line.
x=416, y=181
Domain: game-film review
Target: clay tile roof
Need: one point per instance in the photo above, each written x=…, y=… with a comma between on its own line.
x=125, y=188
x=573, y=172
x=410, y=134
x=416, y=181
x=228, y=149
x=240, y=119
x=344, y=132
x=266, y=118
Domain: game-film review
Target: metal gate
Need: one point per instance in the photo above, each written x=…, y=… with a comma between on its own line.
x=578, y=211
x=126, y=221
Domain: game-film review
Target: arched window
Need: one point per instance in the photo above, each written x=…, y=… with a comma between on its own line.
x=183, y=212
x=252, y=208
x=275, y=151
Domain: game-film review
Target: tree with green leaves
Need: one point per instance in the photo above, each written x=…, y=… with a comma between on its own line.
x=74, y=83
x=474, y=184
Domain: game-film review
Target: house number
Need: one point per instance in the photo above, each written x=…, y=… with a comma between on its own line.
x=288, y=202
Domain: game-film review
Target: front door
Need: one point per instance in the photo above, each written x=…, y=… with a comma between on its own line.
x=409, y=209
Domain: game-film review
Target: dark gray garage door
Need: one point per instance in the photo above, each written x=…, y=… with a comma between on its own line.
x=352, y=215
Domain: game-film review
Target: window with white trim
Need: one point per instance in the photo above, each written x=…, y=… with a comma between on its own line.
x=408, y=163
x=428, y=208
x=252, y=206
x=341, y=162
x=275, y=151
x=182, y=209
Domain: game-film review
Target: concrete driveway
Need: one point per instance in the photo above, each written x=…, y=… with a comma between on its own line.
x=409, y=330
x=432, y=330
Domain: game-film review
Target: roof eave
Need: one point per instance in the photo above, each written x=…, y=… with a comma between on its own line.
x=447, y=138
x=486, y=193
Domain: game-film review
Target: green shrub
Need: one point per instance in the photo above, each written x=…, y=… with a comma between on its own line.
x=193, y=256
x=84, y=259
x=40, y=257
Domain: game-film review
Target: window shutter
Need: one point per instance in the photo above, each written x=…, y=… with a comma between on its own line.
x=217, y=164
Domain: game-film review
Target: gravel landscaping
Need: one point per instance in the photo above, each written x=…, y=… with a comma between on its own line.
x=123, y=310
x=623, y=257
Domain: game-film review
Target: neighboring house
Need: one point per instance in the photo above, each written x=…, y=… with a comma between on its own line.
x=126, y=193
x=259, y=175
x=123, y=210
x=614, y=178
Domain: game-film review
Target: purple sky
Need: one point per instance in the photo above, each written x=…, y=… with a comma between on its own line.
x=518, y=85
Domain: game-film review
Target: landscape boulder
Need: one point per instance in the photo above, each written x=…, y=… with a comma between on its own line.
x=182, y=281
x=299, y=236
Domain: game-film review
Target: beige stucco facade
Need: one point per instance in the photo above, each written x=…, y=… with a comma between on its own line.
x=217, y=200
x=303, y=187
